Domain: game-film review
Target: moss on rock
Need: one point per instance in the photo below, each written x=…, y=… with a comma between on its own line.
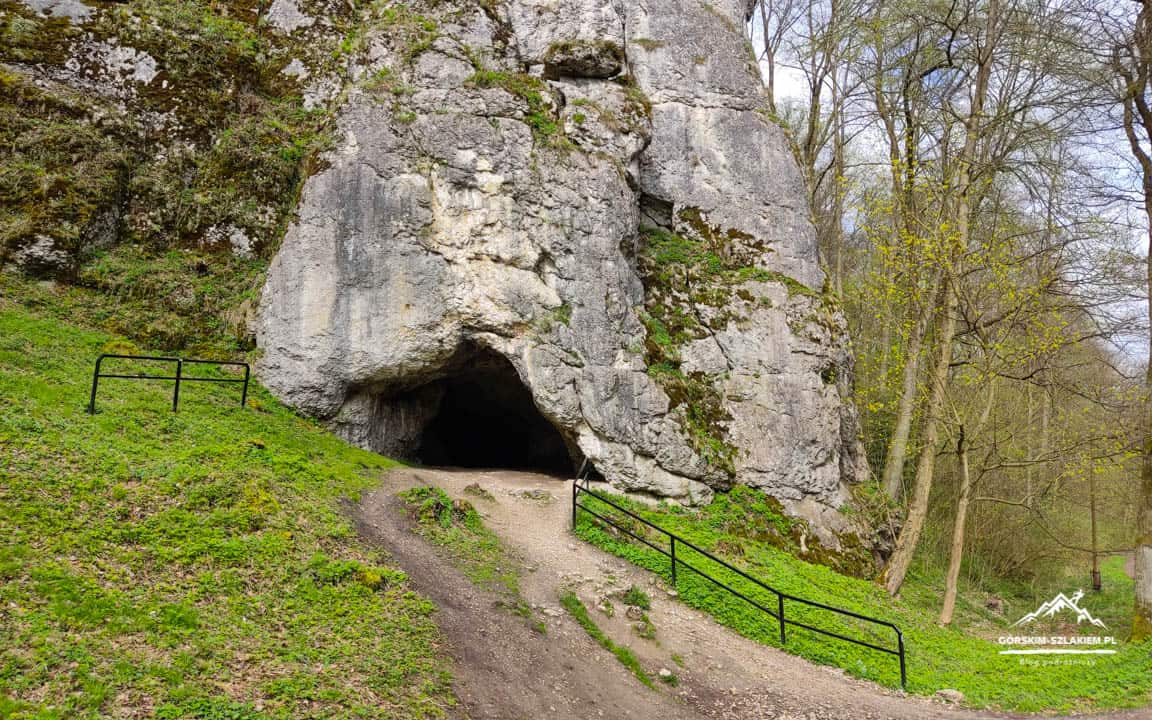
x=61, y=172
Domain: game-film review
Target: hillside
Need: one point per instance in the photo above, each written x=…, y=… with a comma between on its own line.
x=747, y=529
x=190, y=564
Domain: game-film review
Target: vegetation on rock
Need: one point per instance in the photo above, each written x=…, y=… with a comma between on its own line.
x=692, y=288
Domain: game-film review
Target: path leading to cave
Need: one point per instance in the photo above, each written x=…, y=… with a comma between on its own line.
x=506, y=671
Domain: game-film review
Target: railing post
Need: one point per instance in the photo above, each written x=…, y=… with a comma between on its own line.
x=673, y=561
x=244, y=394
x=903, y=671
x=780, y=611
x=176, y=391
x=575, y=491
x=95, y=382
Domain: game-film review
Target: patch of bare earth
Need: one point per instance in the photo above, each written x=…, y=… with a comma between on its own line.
x=505, y=670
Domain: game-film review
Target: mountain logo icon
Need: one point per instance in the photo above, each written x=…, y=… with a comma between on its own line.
x=1060, y=603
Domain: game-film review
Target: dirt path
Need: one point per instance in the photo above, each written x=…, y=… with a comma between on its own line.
x=506, y=671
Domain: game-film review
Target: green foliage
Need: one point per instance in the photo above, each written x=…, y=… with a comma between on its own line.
x=563, y=314
x=385, y=81
x=196, y=563
x=412, y=32
x=636, y=597
x=639, y=103
x=645, y=628
x=209, y=709
x=964, y=657
x=627, y=658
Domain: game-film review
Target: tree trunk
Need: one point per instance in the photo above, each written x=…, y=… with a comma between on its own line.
x=950, y=273
x=898, y=444
x=1138, y=121
x=959, y=528
x=897, y=568
x=1142, y=621
x=956, y=553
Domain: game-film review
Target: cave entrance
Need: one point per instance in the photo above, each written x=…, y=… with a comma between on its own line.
x=487, y=419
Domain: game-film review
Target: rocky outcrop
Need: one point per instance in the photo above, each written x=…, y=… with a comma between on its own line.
x=165, y=125
x=590, y=191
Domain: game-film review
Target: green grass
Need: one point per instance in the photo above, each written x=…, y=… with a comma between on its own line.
x=191, y=564
x=636, y=597
x=457, y=527
x=963, y=656
x=627, y=658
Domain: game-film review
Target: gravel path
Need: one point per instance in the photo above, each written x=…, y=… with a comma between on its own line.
x=507, y=671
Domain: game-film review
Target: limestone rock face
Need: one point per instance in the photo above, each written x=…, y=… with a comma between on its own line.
x=589, y=190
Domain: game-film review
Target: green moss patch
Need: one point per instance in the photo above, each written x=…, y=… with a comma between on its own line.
x=191, y=302
x=692, y=284
x=27, y=37
x=540, y=115
x=681, y=274
x=456, y=526
x=60, y=171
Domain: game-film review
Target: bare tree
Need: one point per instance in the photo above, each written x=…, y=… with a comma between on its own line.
x=1132, y=65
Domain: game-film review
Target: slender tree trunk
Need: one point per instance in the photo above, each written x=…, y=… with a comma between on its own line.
x=839, y=170
x=956, y=553
x=1033, y=451
x=951, y=272
x=1045, y=440
x=1142, y=621
x=959, y=528
x=1096, y=582
x=901, y=560
x=909, y=389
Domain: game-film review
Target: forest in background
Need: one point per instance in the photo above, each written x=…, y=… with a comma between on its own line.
x=979, y=175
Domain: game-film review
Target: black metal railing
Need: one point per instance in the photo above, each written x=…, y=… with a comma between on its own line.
x=178, y=377
x=779, y=613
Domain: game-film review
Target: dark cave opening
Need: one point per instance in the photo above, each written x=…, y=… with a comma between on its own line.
x=487, y=419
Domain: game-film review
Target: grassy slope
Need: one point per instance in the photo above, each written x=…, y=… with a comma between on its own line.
x=963, y=657
x=188, y=565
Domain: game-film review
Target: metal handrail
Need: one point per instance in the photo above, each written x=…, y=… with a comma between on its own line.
x=778, y=614
x=179, y=377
